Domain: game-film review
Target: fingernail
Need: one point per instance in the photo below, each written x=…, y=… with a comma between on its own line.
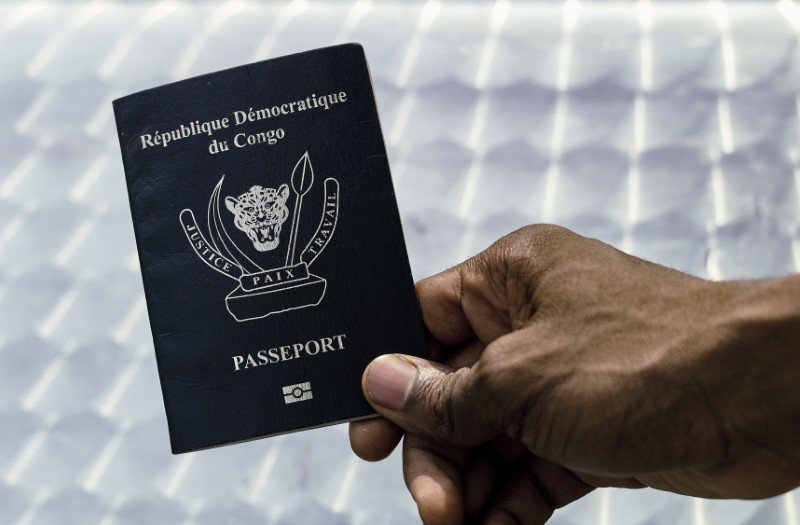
x=389, y=381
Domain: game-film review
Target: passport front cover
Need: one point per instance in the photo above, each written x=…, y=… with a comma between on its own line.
x=270, y=244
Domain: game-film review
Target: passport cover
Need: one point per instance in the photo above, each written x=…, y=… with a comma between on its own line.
x=270, y=244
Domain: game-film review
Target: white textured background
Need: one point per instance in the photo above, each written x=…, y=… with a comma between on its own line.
x=667, y=129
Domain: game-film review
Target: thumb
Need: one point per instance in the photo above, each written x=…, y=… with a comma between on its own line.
x=427, y=398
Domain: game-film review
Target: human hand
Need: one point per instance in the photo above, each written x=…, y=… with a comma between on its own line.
x=566, y=364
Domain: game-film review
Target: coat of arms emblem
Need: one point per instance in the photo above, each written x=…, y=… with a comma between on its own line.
x=260, y=213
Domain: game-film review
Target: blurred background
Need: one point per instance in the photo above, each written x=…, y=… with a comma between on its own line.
x=668, y=129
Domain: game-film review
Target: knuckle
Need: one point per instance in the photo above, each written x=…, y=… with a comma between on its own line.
x=441, y=397
x=529, y=255
x=476, y=275
x=536, y=241
x=514, y=258
x=493, y=382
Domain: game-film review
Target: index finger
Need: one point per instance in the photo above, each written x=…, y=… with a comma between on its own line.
x=462, y=304
x=440, y=303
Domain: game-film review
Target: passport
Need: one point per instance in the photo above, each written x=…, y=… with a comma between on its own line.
x=270, y=244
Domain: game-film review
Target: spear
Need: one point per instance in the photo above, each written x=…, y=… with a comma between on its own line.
x=302, y=179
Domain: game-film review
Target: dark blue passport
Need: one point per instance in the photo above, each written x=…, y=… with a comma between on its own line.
x=270, y=244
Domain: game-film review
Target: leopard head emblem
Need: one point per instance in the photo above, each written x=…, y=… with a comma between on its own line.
x=259, y=212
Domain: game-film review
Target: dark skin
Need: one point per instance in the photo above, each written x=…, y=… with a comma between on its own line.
x=560, y=364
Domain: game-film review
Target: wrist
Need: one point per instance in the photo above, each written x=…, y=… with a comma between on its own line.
x=749, y=364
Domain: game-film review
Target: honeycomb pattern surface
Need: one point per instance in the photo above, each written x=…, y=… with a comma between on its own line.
x=668, y=129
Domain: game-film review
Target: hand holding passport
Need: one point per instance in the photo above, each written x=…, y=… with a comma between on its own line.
x=275, y=271
x=563, y=364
